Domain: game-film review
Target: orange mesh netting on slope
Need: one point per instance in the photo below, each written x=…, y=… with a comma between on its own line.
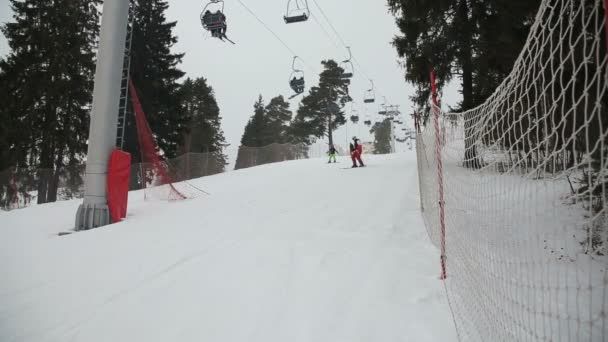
x=156, y=173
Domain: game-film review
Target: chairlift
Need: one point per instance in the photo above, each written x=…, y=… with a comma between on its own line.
x=296, y=79
x=383, y=107
x=297, y=11
x=347, y=66
x=215, y=22
x=354, y=115
x=393, y=111
x=370, y=94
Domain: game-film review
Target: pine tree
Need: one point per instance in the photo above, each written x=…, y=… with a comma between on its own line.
x=203, y=132
x=252, y=136
x=382, y=136
x=309, y=122
x=478, y=40
x=502, y=27
x=255, y=128
x=49, y=76
x=6, y=129
x=269, y=125
x=320, y=112
x=155, y=73
x=5, y=143
x=425, y=44
x=277, y=120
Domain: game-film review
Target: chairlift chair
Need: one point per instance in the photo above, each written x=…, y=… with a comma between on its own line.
x=370, y=95
x=383, y=107
x=393, y=111
x=347, y=66
x=367, y=122
x=297, y=11
x=215, y=22
x=296, y=79
x=354, y=114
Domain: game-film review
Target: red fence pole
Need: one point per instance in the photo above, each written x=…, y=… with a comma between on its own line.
x=438, y=147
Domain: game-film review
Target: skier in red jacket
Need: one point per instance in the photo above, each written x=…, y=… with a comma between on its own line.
x=356, y=150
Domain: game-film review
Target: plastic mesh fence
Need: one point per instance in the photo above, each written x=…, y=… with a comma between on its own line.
x=273, y=153
x=19, y=187
x=525, y=178
x=153, y=171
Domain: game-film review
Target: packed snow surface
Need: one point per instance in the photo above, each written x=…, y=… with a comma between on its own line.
x=294, y=251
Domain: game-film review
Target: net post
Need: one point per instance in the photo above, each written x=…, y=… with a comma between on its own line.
x=438, y=147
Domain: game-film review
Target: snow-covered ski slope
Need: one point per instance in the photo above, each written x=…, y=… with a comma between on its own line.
x=294, y=251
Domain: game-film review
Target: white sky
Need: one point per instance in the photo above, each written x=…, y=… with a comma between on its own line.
x=260, y=64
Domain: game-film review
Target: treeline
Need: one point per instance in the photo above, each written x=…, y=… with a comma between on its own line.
x=46, y=83
x=549, y=115
x=475, y=40
x=479, y=41
x=319, y=115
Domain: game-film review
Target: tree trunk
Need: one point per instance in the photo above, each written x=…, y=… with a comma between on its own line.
x=45, y=167
x=187, y=149
x=329, y=129
x=330, y=132
x=54, y=177
x=471, y=158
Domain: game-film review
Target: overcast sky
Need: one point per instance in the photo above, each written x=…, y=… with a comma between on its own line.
x=261, y=64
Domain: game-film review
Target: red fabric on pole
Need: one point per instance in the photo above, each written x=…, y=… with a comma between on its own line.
x=119, y=172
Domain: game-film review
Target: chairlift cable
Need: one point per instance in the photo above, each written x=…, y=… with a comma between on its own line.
x=329, y=22
x=354, y=58
x=291, y=51
x=332, y=40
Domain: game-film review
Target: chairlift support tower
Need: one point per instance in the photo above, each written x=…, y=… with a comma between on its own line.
x=94, y=212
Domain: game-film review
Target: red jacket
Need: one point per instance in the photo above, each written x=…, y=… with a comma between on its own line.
x=358, y=148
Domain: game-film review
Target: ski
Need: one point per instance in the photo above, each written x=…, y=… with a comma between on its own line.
x=228, y=39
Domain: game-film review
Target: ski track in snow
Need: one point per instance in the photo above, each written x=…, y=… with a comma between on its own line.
x=294, y=251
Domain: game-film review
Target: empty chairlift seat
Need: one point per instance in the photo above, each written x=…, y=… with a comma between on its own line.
x=297, y=11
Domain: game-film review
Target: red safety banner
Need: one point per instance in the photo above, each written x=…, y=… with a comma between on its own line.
x=119, y=172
